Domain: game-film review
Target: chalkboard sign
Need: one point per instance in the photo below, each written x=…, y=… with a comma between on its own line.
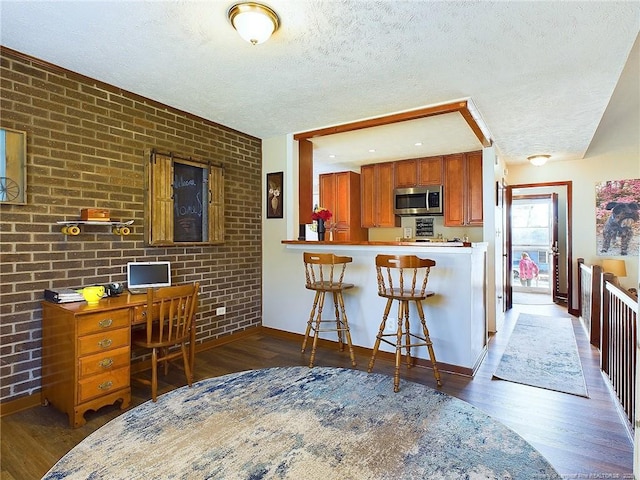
x=190, y=197
x=184, y=202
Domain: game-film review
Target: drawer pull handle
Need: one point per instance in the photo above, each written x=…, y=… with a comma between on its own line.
x=106, y=363
x=106, y=323
x=106, y=343
x=106, y=385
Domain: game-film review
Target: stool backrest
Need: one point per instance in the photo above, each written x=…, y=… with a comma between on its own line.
x=324, y=269
x=403, y=275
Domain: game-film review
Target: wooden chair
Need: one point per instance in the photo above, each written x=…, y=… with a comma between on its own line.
x=403, y=278
x=321, y=272
x=170, y=314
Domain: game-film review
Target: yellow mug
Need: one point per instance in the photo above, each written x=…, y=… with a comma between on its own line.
x=93, y=294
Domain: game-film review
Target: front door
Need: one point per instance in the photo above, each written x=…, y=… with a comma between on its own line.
x=560, y=258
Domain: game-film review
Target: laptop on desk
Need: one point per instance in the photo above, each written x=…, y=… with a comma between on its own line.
x=144, y=275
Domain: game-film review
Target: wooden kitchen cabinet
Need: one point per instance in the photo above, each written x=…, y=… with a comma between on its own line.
x=454, y=186
x=378, y=183
x=340, y=194
x=406, y=173
x=463, y=189
x=474, y=188
x=430, y=171
x=418, y=172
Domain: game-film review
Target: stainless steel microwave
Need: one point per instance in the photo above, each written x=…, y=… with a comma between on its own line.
x=418, y=201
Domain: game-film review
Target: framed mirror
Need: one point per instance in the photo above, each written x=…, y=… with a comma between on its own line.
x=13, y=166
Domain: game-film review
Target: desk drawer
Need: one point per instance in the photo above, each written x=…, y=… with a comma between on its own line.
x=104, y=361
x=101, y=321
x=140, y=313
x=99, y=385
x=100, y=342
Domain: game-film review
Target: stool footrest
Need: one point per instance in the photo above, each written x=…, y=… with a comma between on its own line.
x=343, y=329
x=394, y=344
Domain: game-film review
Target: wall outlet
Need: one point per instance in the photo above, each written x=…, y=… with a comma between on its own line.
x=221, y=310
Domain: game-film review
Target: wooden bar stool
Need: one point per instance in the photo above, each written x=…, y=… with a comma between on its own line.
x=321, y=272
x=403, y=278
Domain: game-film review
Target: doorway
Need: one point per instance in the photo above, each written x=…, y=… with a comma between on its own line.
x=532, y=248
x=553, y=228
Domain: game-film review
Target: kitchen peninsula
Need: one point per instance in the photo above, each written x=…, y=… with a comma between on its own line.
x=456, y=315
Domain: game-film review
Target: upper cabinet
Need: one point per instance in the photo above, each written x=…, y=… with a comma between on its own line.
x=460, y=174
x=340, y=194
x=430, y=171
x=377, y=195
x=418, y=172
x=463, y=189
x=406, y=173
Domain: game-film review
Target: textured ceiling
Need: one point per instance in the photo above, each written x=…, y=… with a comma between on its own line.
x=540, y=73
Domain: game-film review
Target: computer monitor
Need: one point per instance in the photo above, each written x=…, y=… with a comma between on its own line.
x=143, y=275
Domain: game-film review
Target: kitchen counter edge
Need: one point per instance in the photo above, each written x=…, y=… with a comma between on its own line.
x=374, y=244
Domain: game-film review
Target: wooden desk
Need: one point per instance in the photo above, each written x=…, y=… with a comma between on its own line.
x=86, y=353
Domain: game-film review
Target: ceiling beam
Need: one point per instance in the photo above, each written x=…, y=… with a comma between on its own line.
x=475, y=122
x=465, y=107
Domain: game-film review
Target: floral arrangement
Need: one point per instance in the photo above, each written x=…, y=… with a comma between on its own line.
x=321, y=213
x=274, y=194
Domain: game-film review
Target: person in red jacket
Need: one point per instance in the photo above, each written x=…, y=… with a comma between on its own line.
x=528, y=270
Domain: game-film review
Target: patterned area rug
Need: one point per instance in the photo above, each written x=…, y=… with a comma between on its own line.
x=301, y=423
x=542, y=352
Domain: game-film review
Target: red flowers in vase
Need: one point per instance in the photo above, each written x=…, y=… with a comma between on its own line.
x=320, y=213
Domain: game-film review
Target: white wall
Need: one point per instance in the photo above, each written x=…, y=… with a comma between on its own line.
x=492, y=234
x=278, y=155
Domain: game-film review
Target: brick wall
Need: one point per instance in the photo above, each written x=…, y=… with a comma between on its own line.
x=85, y=148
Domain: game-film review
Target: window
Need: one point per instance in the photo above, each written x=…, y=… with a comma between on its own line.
x=184, y=201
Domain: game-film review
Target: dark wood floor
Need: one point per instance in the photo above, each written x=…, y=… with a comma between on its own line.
x=581, y=437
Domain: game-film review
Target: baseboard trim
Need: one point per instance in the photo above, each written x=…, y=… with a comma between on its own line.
x=20, y=404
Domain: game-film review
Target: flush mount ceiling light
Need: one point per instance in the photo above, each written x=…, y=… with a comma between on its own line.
x=538, y=160
x=253, y=21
